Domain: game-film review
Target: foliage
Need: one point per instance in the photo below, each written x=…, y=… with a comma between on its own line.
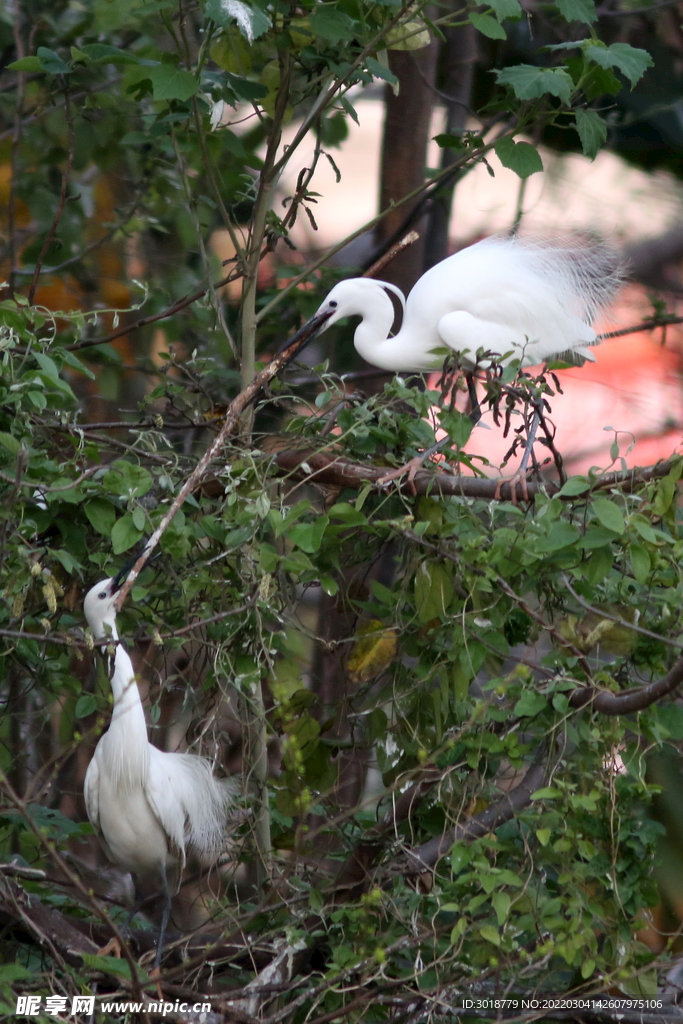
x=477, y=636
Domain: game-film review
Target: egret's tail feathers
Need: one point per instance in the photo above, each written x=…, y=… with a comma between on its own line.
x=577, y=356
x=207, y=803
x=586, y=272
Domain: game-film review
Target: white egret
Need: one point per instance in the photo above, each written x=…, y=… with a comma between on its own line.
x=506, y=297
x=495, y=301
x=149, y=808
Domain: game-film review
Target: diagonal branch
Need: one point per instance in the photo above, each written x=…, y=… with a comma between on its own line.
x=630, y=700
x=424, y=857
x=245, y=398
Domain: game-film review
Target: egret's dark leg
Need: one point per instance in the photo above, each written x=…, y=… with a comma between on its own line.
x=164, y=917
x=530, y=440
x=519, y=477
x=475, y=408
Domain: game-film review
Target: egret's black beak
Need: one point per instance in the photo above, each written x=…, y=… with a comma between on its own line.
x=117, y=581
x=304, y=335
x=121, y=575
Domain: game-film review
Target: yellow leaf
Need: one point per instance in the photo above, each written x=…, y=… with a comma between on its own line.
x=372, y=653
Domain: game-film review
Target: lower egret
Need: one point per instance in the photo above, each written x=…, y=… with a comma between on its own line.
x=149, y=808
x=498, y=300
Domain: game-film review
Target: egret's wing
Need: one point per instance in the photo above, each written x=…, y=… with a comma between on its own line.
x=162, y=795
x=468, y=334
x=91, y=792
x=205, y=802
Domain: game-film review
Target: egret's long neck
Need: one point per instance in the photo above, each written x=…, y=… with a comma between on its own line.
x=373, y=330
x=127, y=742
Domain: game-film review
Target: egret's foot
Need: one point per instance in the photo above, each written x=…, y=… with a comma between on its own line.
x=517, y=479
x=411, y=468
x=154, y=974
x=112, y=947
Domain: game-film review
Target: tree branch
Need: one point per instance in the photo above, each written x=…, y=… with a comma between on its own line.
x=424, y=857
x=328, y=468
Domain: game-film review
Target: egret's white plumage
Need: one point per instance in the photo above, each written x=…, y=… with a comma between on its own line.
x=535, y=300
x=150, y=808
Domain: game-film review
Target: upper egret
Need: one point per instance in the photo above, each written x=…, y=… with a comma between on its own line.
x=506, y=297
x=149, y=808
x=495, y=301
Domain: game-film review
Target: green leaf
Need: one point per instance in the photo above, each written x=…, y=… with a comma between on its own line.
x=530, y=704
x=10, y=442
x=574, y=485
x=245, y=89
x=67, y=560
x=488, y=26
x=578, y=10
x=48, y=366
x=520, y=157
x=37, y=400
x=172, y=83
x=378, y=70
x=32, y=64
x=501, y=904
x=543, y=836
x=506, y=9
x=85, y=705
x=449, y=142
x=531, y=83
x=251, y=21
x=332, y=25
x=547, y=793
x=490, y=934
x=671, y=717
x=127, y=478
x=71, y=360
x=139, y=517
x=124, y=534
x=101, y=515
x=433, y=591
x=457, y=425
x=52, y=62
x=461, y=856
x=632, y=62
x=592, y=131
x=13, y=972
x=349, y=108
x=308, y=536
x=561, y=535
x=640, y=562
x=103, y=53
x=609, y=514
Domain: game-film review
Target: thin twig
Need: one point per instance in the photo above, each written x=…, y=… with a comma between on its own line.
x=163, y=315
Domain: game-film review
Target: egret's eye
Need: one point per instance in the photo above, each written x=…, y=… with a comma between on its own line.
x=103, y=595
x=333, y=304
